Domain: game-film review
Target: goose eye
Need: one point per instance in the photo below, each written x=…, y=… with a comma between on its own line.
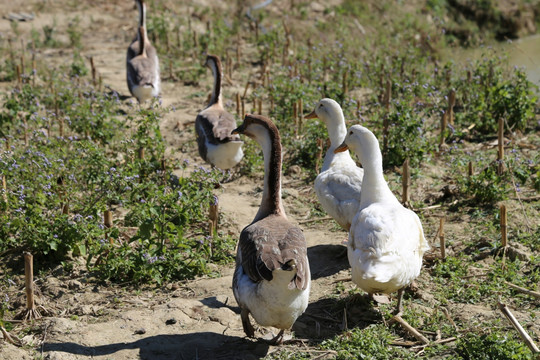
x=350, y=133
x=320, y=105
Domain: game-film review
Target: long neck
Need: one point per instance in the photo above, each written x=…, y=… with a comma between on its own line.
x=271, y=199
x=142, y=13
x=142, y=40
x=216, y=91
x=336, y=132
x=374, y=180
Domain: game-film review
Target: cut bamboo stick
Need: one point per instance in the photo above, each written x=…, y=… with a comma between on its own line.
x=238, y=104
x=470, y=169
x=523, y=290
x=522, y=333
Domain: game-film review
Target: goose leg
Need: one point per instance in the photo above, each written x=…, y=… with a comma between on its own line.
x=246, y=324
x=278, y=340
x=399, y=309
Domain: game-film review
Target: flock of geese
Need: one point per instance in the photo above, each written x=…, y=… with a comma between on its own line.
x=272, y=278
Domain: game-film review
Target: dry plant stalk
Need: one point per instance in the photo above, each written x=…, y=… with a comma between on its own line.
x=31, y=312
x=443, y=128
x=9, y=338
x=238, y=104
x=300, y=115
x=259, y=106
x=470, y=169
x=410, y=329
x=214, y=215
x=345, y=83
x=500, y=152
x=522, y=333
x=441, y=238
x=405, y=182
x=504, y=223
x=107, y=219
x=523, y=290
x=4, y=189
x=19, y=79
x=243, y=105
x=451, y=104
x=319, y=154
x=93, y=66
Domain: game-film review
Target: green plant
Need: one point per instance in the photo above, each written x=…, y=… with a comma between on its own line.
x=491, y=346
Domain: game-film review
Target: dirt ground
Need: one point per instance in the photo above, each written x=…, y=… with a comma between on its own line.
x=195, y=319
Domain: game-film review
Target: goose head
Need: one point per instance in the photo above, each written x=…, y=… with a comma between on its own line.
x=330, y=112
x=258, y=128
x=362, y=142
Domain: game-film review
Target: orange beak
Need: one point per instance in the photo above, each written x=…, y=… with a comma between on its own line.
x=311, y=115
x=341, y=148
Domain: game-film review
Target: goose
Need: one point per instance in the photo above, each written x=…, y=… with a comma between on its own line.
x=339, y=183
x=386, y=240
x=217, y=145
x=142, y=63
x=272, y=277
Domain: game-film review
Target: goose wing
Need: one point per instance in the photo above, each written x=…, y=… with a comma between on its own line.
x=268, y=245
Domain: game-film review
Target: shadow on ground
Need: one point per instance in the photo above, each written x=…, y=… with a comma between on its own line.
x=326, y=260
x=204, y=345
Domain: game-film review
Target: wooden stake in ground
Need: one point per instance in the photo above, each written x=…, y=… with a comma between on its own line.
x=107, y=219
x=500, y=152
x=524, y=336
x=405, y=181
x=504, y=223
x=470, y=169
x=238, y=104
x=31, y=312
x=441, y=238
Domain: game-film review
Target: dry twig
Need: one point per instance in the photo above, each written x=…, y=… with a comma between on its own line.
x=524, y=336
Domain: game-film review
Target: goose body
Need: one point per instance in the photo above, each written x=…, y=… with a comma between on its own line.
x=142, y=63
x=272, y=278
x=386, y=240
x=339, y=183
x=214, y=125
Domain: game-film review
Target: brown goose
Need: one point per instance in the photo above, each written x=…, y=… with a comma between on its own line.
x=214, y=124
x=272, y=278
x=142, y=63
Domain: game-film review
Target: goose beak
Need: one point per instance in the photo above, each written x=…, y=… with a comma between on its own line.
x=238, y=130
x=341, y=148
x=311, y=115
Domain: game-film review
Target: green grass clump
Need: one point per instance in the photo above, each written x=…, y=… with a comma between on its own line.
x=372, y=342
x=491, y=346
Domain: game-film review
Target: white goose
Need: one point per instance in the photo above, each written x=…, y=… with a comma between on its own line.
x=272, y=277
x=339, y=183
x=386, y=240
x=214, y=124
x=142, y=63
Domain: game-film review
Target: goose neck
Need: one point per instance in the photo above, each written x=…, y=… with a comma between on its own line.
x=142, y=13
x=216, y=91
x=271, y=198
x=374, y=185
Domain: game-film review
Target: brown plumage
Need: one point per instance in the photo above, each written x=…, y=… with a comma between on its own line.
x=142, y=63
x=272, y=277
x=214, y=125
